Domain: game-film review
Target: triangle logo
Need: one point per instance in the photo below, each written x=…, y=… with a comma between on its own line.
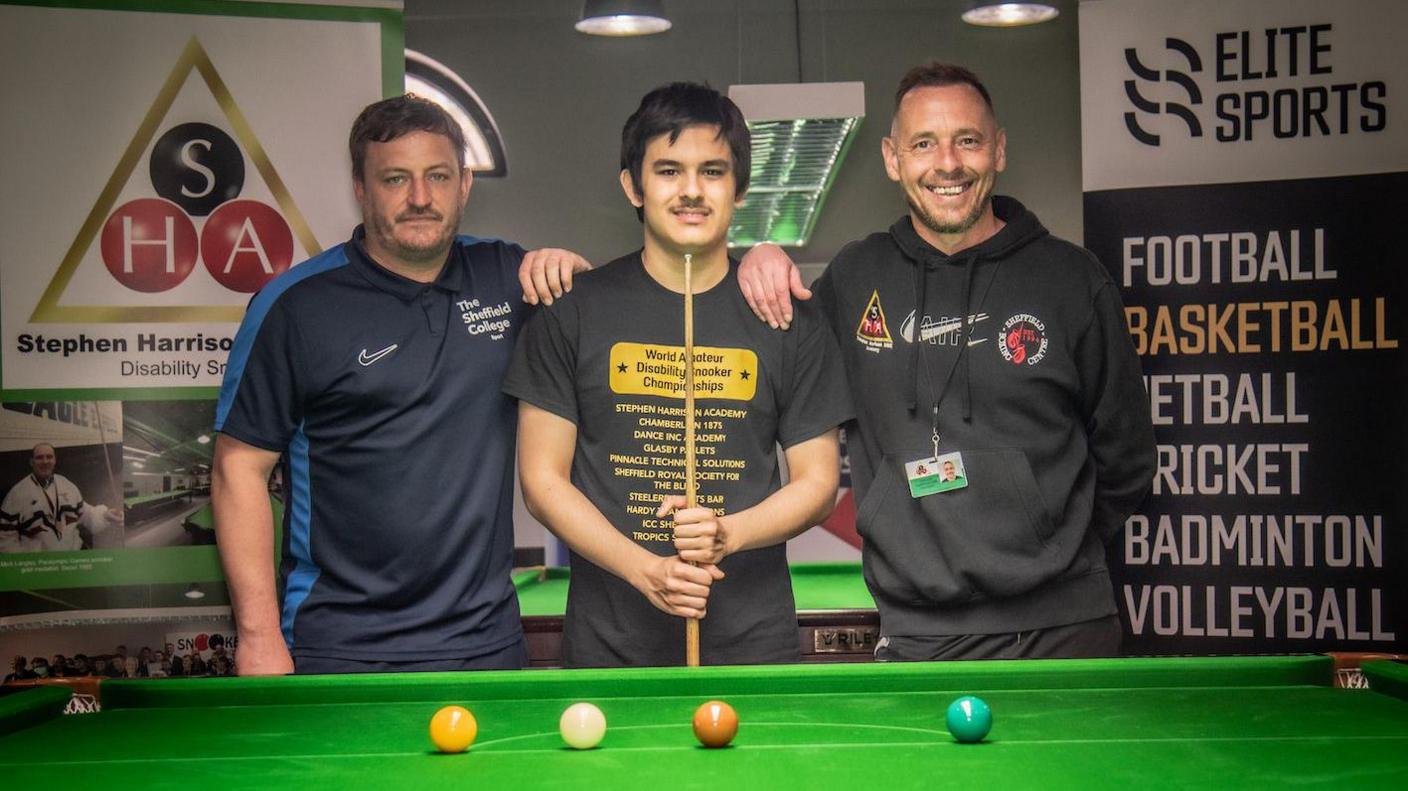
x=152, y=244
x=872, y=331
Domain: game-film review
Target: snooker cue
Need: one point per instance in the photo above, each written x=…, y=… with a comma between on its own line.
x=691, y=487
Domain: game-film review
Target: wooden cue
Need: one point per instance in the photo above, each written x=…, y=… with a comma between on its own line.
x=691, y=486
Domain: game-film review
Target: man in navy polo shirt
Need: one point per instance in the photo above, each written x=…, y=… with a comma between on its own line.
x=374, y=371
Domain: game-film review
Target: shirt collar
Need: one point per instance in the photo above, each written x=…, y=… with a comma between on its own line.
x=450, y=278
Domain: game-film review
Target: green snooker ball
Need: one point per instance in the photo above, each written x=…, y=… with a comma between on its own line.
x=969, y=719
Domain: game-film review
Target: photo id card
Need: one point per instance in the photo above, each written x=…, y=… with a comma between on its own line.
x=936, y=474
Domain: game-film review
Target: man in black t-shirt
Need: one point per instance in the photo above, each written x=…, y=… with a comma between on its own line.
x=600, y=378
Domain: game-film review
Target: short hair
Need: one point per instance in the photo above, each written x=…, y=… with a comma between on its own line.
x=39, y=445
x=671, y=108
x=936, y=74
x=388, y=119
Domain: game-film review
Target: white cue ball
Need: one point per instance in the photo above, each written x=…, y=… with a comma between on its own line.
x=582, y=726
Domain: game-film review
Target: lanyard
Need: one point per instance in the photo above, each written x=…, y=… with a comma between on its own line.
x=964, y=329
x=938, y=395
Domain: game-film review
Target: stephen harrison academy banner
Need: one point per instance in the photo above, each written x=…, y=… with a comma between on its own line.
x=159, y=168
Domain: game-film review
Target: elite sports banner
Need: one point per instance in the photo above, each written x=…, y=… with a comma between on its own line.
x=162, y=162
x=1245, y=170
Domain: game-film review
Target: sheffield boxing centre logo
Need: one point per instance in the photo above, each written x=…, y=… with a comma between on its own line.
x=193, y=215
x=1230, y=97
x=1024, y=340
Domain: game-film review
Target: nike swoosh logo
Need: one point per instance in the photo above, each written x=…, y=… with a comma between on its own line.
x=368, y=359
x=931, y=331
x=976, y=341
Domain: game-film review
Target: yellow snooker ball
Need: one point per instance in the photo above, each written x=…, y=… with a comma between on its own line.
x=453, y=729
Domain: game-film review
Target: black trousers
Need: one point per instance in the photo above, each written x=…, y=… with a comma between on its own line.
x=1098, y=638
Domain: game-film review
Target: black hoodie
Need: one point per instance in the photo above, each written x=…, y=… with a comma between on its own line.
x=1044, y=401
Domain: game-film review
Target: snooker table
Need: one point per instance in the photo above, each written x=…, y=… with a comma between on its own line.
x=1230, y=722
x=836, y=617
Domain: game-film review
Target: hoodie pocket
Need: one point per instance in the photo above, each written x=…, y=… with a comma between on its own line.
x=989, y=539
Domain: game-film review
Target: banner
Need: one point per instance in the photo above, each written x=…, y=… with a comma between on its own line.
x=162, y=166
x=165, y=165
x=1245, y=169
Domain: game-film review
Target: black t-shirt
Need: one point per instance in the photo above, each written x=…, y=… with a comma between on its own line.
x=609, y=358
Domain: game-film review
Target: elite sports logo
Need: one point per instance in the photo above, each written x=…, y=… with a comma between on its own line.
x=1180, y=78
x=1024, y=340
x=191, y=213
x=1277, y=82
x=872, y=332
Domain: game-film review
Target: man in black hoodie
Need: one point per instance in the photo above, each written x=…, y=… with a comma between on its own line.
x=1010, y=356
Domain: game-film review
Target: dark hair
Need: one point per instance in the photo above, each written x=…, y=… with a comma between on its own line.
x=671, y=108
x=388, y=119
x=936, y=74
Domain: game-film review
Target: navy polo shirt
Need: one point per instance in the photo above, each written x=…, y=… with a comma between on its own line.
x=384, y=396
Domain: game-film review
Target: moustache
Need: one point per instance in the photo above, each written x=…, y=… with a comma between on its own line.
x=419, y=215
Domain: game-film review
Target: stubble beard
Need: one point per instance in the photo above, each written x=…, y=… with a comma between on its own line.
x=432, y=252
x=937, y=226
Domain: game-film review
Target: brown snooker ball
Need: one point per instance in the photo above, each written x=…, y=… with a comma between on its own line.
x=715, y=724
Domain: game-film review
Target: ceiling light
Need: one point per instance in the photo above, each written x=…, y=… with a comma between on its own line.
x=203, y=439
x=430, y=79
x=801, y=132
x=990, y=14
x=623, y=17
x=194, y=592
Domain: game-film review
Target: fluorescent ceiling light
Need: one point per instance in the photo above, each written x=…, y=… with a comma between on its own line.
x=623, y=18
x=801, y=132
x=989, y=14
x=194, y=592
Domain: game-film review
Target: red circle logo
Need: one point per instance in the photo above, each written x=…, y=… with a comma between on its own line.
x=149, y=245
x=245, y=244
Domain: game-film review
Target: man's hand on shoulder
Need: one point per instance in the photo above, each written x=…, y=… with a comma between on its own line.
x=769, y=279
x=546, y=274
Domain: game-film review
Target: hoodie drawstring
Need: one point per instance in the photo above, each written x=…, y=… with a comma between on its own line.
x=963, y=338
x=921, y=278
x=921, y=287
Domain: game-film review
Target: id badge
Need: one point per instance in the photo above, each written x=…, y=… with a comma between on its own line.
x=936, y=474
